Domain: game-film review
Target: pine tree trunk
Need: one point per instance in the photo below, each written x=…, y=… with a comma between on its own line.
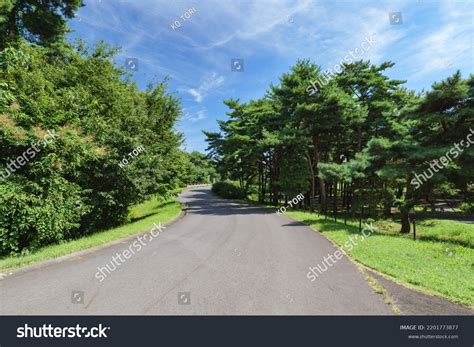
x=410, y=201
x=359, y=137
x=273, y=178
x=264, y=184
x=344, y=195
x=11, y=25
x=313, y=182
x=322, y=184
x=405, y=220
x=260, y=181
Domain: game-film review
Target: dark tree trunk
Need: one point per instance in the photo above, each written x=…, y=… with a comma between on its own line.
x=322, y=184
x=260, y=180
x=264, y=184
x=273, y=178
x=387, y=209
x=313, y=182
x=410, y=201
x=11, y=30
x=344, y=195
x=405, y=220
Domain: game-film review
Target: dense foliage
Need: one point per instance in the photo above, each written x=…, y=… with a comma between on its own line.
x=228, y=190
x=39, y=21
x=75, y=184
x=110, y=145
x=199, y=169
x=361, y=139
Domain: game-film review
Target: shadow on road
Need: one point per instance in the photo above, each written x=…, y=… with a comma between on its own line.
x=203, y=202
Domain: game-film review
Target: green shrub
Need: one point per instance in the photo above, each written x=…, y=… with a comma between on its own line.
x=228, y=190
x=75, y=185
x=32, y=215
x=467, y=207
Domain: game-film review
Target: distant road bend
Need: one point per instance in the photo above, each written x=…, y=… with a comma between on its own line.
x=222, y=258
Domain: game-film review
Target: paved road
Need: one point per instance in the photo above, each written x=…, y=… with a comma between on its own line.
x=231, y=258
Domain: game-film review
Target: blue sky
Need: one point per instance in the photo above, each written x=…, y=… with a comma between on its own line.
x=433, y=40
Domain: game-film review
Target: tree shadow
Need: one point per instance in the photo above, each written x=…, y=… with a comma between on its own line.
x=329, y=225
x=156, y=210
x=203, y=202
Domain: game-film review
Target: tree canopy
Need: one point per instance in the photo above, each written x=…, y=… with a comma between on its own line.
x=359, y=140
x=38, y=21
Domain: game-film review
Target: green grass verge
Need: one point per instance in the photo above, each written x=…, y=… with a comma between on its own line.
x=434, y=229
x=442, y=268
x=143, y=216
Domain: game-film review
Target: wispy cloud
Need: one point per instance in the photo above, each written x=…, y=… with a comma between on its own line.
x=211, y=81
x=450, y=45
x=271, y=35
x=193, y=118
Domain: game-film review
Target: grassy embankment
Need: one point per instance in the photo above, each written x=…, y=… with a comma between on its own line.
x=440, y=261
x=142, y=217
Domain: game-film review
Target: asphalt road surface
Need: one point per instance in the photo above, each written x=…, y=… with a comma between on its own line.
x=222, y=258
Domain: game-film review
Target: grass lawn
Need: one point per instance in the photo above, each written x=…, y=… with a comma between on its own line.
x=439, y=267
x=142, y=218
x=434, y=229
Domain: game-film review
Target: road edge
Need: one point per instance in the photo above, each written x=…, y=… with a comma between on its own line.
x=364, y=269
x=46, y=263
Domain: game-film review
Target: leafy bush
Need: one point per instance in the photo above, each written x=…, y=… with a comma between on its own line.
x=200, y=169
x=228, y=190
x=467, y=207
x=32, y=215
x=74, y=185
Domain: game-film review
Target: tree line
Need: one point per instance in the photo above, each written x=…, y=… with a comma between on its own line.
x=359, y=140
x=114, y=145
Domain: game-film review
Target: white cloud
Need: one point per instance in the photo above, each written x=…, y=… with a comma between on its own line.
x=198, y=97
x=448, y=46
x=200, y=115
x=211, y=81
x=434, y=39
x=254, y=19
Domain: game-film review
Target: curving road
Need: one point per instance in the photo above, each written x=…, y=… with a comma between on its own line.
x=222, y=258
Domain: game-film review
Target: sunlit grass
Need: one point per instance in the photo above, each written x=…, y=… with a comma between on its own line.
x=426, y=229
x=143, y=217
x=442, y=268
